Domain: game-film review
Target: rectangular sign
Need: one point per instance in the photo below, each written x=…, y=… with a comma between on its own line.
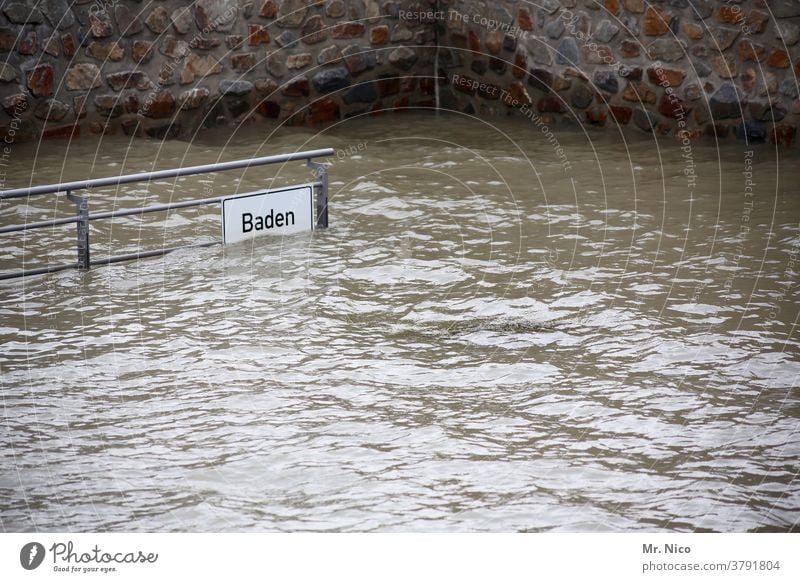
x=272, y=212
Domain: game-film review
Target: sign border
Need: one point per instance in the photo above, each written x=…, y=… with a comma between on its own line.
x=309, y=185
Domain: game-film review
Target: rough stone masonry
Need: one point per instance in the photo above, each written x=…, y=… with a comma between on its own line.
x=165, y=68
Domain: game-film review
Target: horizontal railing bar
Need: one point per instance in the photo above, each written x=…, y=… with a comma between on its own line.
x=40, y=224
x=116, y=213
x=160, y=174
x=146, y=254
x=40, y=271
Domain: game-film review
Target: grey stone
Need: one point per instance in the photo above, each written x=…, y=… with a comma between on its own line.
x=666, y=49
x=193, y=98
x=644, y=120
x=607, y=81
x=567, y=53
x=785, y=8
x=788, y=32
x=362, y=93
x=286, y=39
x=542, y=54
x=127, y=20
x=236, y=88
x=51, y=110
x=701, y=9
x=751, y=132
x=292, y=13
x=582, y=96
x=58, y=13
x=403, y=57
x=22, y=13
x=550, y=6
x=7, y=72
x=725, y=103
x=219, y=15
x=355, y=59
x=331, y=80
x=181, y=19
x=329, y=55
x=605, y=31
x=722, y=37
x=789, y=88
x=555, y=28
x=276, y=66
x=767, y=111
x=401, y=33
x=509, y=43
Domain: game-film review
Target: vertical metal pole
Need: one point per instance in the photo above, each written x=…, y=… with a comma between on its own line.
x=322, y=196
x=82, y=211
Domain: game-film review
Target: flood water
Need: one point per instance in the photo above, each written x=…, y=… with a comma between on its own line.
x=489, y=337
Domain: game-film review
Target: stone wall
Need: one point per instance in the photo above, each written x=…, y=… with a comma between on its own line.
x=164, y=68
x=680, y=67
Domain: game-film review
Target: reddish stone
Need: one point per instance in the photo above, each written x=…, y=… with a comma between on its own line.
x=141, y=51
x=757, y=21
x=323, y=111
x=100, y=24
x=16, y=104
x=271, y=109
x=596, y=116
x=524, y=19
x=749, y=51
x=639, y=93
x=348, y=30
x=8, y=39
x=105, y=51
x=401, y=104
x=314, y=30
x=27, y=43
x=465, y=84
x=474, y=42
x=408, y=84
x=204, y=43
x=779, y=59
x=62, y=132
x=489, y=91
x=269, y=9
x=783, y=134
x=621, y=113
x=656, y=21
x=257, y=34
x=550, y=104
x=516, y=95
x=748, y=80
x=79, y=105
x=692, y=30
x=730, y=14
x=717, y=130
x=234, y=41
x=160, y=105
x=40, y=80
x=388, y=86
x=612, y=6
x=629, y=49
x=244, y=62
x=427, y=86
x=663, y=128
x=688, y=134
x=129, y=79
x=520, y=66
x=379, y=35
x=674, y=107
x=131, y=103
x=665, y=77
x=298, y=87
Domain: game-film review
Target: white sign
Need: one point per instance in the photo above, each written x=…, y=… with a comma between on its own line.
x=271, y=212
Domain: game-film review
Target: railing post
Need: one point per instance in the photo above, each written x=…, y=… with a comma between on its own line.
x=82, y=211
x=322, y=196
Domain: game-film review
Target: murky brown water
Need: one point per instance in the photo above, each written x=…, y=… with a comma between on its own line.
x=481, y=341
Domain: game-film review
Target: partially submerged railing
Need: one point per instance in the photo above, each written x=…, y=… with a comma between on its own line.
x=83, y=216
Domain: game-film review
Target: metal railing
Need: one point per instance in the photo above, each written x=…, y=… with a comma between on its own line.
x=83, y=216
